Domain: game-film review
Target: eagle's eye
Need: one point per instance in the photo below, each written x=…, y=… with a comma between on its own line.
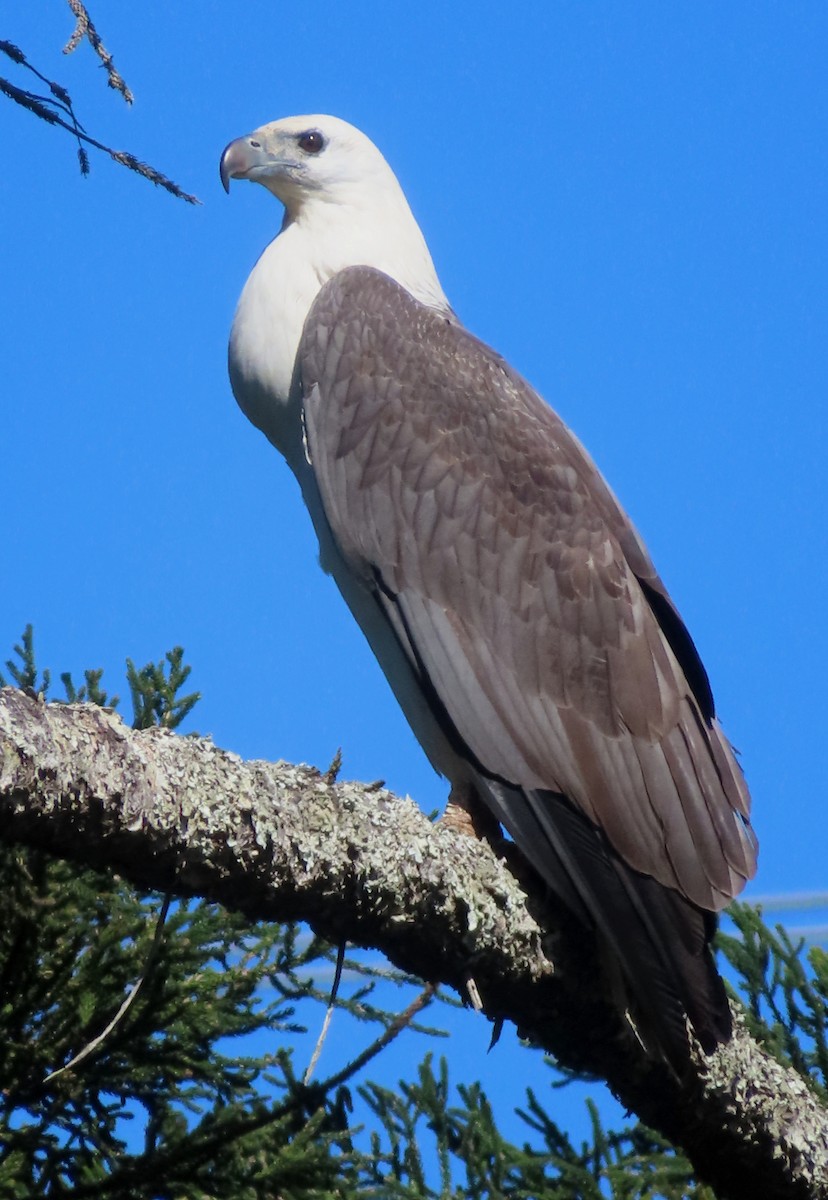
x=311, y=142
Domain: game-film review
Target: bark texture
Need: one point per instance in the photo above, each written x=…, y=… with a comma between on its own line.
x=282, y=842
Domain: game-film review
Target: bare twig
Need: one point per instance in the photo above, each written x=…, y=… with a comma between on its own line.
x=320, y=1041
x=85, y=29
x=400, y=1022
x=39, y=105
x=127, y=1004
x=57, y=109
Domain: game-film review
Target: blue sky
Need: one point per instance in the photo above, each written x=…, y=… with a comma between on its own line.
x=628, y=201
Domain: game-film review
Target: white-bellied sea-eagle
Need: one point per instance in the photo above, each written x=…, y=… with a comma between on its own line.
x=510, y=602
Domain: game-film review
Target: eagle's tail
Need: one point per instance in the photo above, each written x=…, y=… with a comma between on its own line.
x=660, y=939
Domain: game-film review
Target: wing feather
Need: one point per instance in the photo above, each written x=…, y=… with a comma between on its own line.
x=528, y=601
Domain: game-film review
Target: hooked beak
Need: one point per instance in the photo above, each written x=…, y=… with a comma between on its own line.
x=240, y=158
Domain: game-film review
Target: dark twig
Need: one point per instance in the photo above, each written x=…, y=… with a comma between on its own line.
x=39, y=105
x=57, y=108
x=326, y=1024
x=92, y=1046
x=85, y=29
x=400, y=1022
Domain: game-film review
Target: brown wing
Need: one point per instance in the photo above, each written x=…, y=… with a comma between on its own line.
x=527, y=601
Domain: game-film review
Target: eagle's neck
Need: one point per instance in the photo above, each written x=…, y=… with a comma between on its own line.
x=313, y=246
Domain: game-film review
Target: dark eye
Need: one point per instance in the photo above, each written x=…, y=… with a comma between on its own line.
x=311, y=142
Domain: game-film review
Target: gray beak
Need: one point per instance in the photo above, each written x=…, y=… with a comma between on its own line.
x=238, y=159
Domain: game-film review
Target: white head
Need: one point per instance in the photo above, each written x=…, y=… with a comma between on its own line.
x=340, y=192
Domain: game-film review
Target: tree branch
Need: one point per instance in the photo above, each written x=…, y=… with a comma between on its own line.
x=84, y=28
x=282, y=842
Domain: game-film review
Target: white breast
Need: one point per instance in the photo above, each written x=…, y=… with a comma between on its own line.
x=321, y=241
x=265, y=338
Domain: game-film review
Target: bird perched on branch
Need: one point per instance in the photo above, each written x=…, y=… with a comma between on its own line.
x=510, y=602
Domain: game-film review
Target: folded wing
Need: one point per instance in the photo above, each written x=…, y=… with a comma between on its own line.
x=523, y=601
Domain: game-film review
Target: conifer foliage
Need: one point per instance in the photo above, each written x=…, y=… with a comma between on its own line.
x=132, y=1033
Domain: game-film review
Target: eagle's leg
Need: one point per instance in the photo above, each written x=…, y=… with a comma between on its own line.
x=467, y=814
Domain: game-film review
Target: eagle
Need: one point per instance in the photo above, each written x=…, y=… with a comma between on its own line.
x=510, y=602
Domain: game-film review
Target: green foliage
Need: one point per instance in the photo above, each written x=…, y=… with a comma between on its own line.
x=146, y=1048
x=74, y=946
x=154, y=689
x=23, y=675
x=154, y=692
x=131, y=1030
x=90, y=691
x=785, y=991
x=429, y=1144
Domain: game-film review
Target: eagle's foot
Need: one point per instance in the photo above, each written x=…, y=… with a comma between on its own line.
x=467, y=815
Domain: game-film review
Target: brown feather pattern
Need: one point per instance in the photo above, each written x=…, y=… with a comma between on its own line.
x=521, y=592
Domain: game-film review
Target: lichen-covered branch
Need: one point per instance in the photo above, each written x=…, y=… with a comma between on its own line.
x=283, y=842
